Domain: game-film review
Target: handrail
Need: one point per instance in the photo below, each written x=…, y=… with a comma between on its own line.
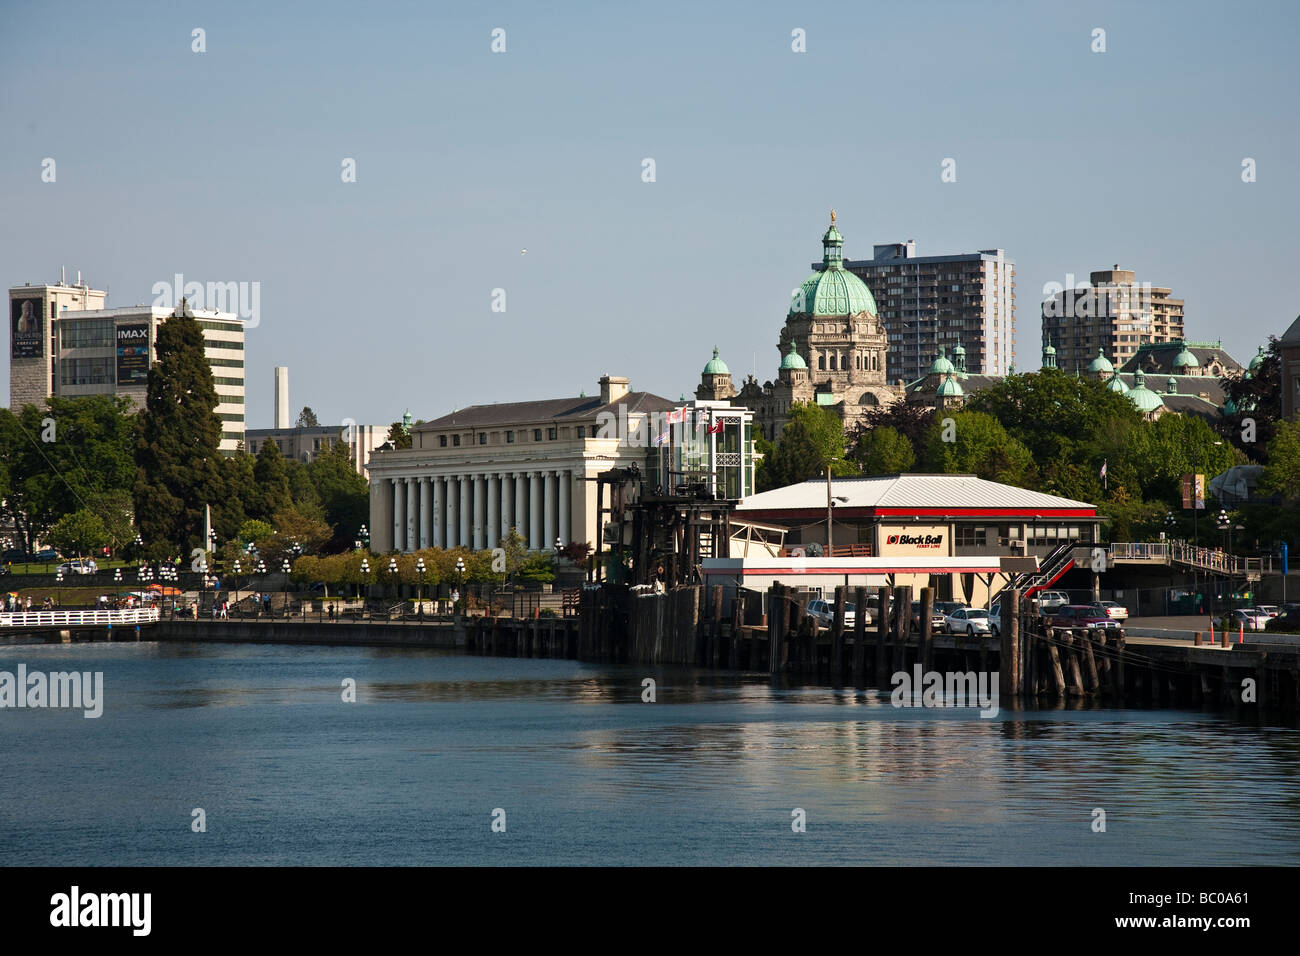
x=79, y=618
x=1180, y=552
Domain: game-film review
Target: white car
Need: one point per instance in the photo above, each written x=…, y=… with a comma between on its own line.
x=1114, y=611
x=824, y=612
x=79, y=566
x=1250, y=619
x=1050, y=601
x=967, y=620
x=1272, y=610
x=995, y=618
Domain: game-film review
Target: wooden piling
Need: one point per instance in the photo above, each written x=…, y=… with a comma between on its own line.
x=925, y=638
x=1009, y=634
x=775, y=623
x=1054, y=671
x=882, y=634
x=837, y=639
x=859, y=637
x=715, y=635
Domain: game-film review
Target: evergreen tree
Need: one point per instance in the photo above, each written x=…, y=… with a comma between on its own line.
x=178, y=462
x=812, y=438
x=307, y=418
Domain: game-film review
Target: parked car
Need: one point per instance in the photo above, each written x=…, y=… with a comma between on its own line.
x=1249, y=619
x=936, y=618
x=79, y=566
x=967, y=620
x=1080, y=615
x=1117, y=611
x=995, y=618
x=824, y=612
x=1049, y=601
x=15, y=556
x=48, y=554
x=1272, y=610
x=1287, y=622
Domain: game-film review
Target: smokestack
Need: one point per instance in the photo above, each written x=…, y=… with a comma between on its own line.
x=282, y=396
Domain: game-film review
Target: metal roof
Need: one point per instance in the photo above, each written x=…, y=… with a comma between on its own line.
x=553, y=409
x=952, y=492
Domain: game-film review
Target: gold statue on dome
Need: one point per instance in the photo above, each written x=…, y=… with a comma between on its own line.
x=832, y=215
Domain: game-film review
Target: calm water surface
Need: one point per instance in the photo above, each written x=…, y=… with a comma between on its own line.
x=287, y=773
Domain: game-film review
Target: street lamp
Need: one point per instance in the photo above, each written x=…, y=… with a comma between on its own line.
x=365, y=573
x=364, y=539
x=235, y=569
x=58, y=577
x=420, y=571
x=392, y=571
x=460, y=581
x=286, y=568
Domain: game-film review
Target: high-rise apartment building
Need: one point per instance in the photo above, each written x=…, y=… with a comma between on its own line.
x=925, y=302
x=1113, y=314
x=63, y=342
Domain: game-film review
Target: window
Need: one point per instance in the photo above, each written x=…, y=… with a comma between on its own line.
x=510, y=438
x=537, y=434
x=581, y=431
x=455, y=440
x=550, y=434
x=970, y=537
x=442, y=441
x=86, y=333
x=482, y=438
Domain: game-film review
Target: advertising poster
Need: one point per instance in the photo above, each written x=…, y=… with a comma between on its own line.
x=27, y=328
x=132, y=355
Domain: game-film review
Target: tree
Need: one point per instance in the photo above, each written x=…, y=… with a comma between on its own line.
x=1282, y=473
x=979, y=446
x=398, y=436
x=81, y=532
x=307, y=418
x=763, y=451
x=178, y=462
x=911, y=420
x=271, y=478
x=63, y=458
x=1257, y=398
x=343, y=494
x=883, y=451
x=812, y=439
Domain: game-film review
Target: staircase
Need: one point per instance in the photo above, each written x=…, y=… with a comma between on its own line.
x=1050, y=570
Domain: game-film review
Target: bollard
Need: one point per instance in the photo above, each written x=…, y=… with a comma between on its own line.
x=1223, y=638
x=1196, y=639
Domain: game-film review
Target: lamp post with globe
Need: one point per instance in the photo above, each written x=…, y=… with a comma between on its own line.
x=420, y=571
x=286, y=568
x=235, y=569
x=460, y=583
x=365, y=583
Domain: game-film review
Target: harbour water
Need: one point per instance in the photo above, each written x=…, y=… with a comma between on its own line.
x=288, y=773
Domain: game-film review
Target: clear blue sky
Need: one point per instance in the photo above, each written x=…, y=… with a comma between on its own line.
x=225, y=166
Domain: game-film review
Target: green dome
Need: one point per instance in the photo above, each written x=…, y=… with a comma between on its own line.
x=793, y=359
x=1185, y=359
x=949, y=389
x=832, y=290
x=1258, y=360
x=941, y=365
x=1100, y=365
x=1116, y=384
x=716, y=366
x=1146, y=400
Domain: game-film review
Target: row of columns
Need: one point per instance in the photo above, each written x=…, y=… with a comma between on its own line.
x=477, y=511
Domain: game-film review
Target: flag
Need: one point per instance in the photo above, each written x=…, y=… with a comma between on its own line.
x=662, y=439
x=676, y=416
x=717, y=426
x=1103, y=470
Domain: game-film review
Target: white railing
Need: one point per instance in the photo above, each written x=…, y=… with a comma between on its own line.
x=139, y=615
x=1180, y=552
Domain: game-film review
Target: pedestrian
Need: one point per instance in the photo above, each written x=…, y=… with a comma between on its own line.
x=225, y=610
x=331, y=612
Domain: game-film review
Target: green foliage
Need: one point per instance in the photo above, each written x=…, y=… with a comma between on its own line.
x=271, y=478
x=398, y=436
x=516, y=553
x=179, y=467
x=883, y=451
x=980, y=447
x=1258, y=398
x=307, y=418
x=812, y=438
x=63, y=458
x=538, y=568
x=1282, y=473
x=763, y=450
x=343, y=494
x=79, y=533
x=912, y=421
x=255, y=530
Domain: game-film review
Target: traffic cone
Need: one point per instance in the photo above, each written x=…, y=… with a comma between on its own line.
x=1241, y=634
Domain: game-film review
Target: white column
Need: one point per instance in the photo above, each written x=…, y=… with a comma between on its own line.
x=426, y=512
x=566, y=499
x=399, y=514
x=466, y=540
x=480, y=513
x=453, y=511
x=520, y=517
x=507, y=503
x=439, y=526
x=549, y=534
x=535, y=512
x=412, y=508
x=493, y=511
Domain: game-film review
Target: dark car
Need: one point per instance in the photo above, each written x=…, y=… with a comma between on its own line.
x=1080, y=615
x=14, y=556
x=49, y=554
x=1288, y=622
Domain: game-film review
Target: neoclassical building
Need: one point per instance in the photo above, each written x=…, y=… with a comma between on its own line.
x=471, y=476
x=832, y=350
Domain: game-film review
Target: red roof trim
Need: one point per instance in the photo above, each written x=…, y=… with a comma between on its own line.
x=956, y=512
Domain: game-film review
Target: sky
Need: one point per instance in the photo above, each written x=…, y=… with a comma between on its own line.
x=227, y=165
